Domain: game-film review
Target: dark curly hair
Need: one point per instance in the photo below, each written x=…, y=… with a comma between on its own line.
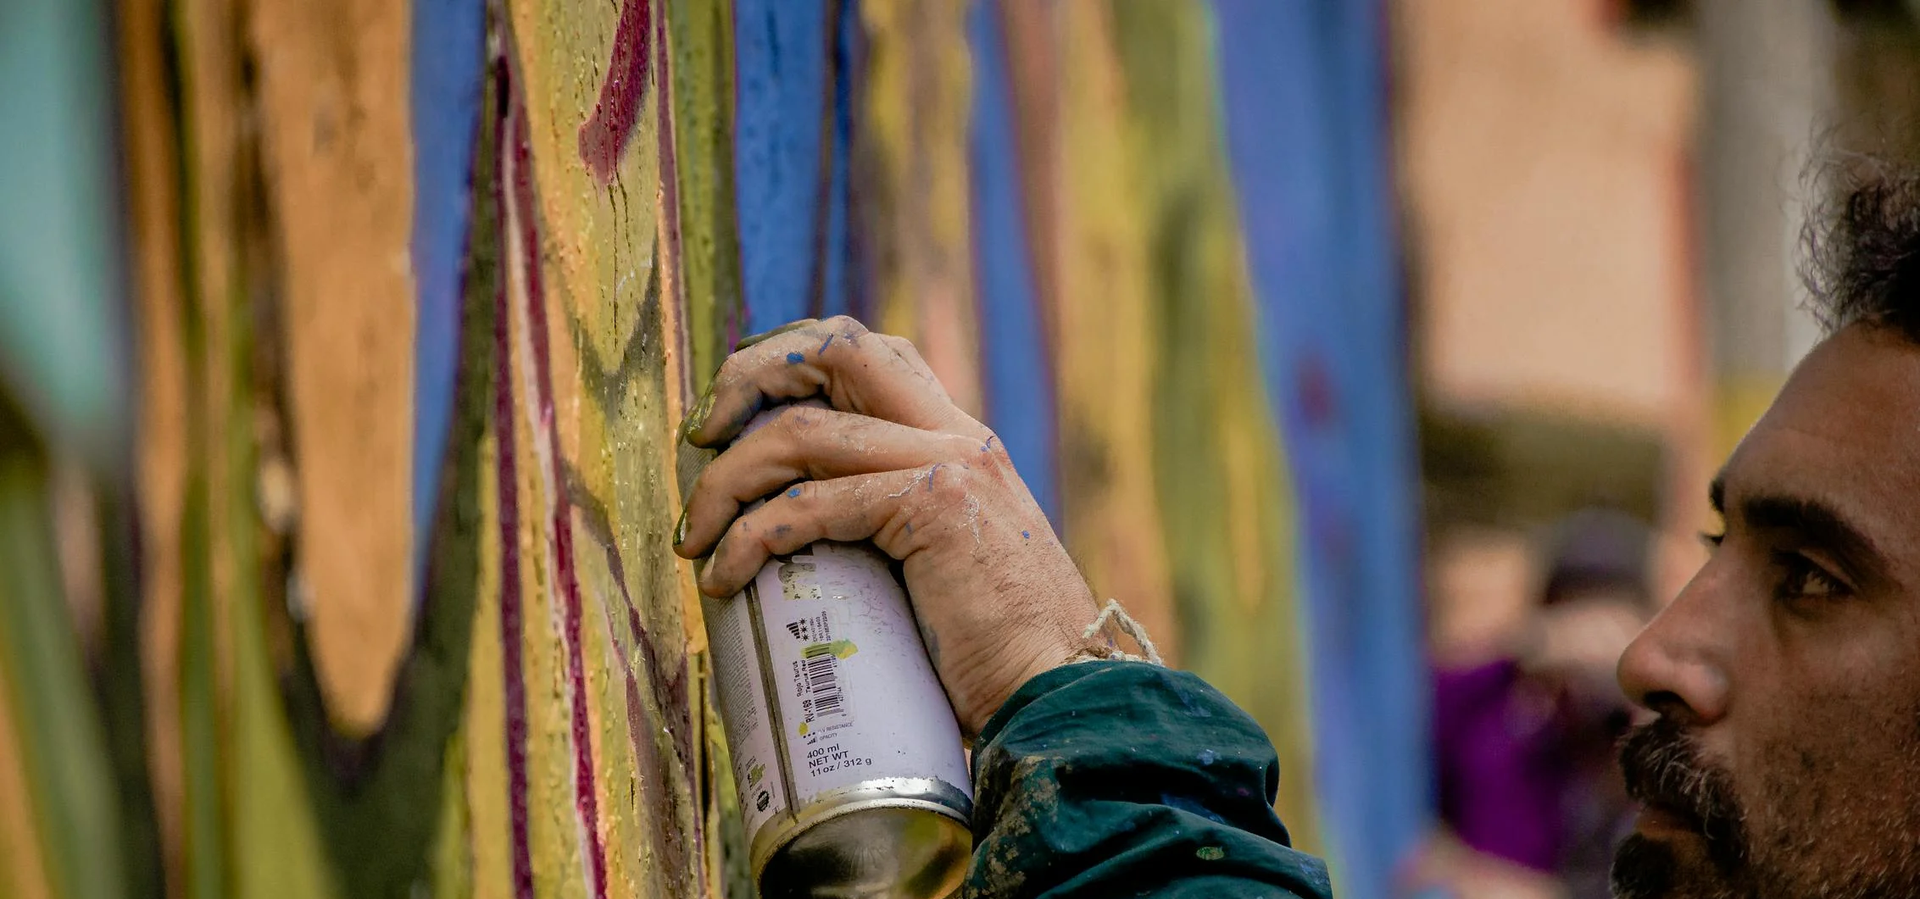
x=1862, y=253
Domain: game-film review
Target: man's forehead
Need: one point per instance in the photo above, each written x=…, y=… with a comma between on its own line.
x=1845, y=429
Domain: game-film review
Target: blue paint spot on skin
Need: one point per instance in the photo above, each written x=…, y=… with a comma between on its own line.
x=931, y=472
x=824, y=344
x=796, y=358
x=909, y=527
x=1024, y=535
x=1208, y=756
x=794, y=492
x=785, y=529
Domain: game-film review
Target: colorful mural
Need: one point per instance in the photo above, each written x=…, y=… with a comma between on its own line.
x=418, y=293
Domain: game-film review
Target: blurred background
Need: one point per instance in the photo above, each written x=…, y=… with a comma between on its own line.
x=1375, y=354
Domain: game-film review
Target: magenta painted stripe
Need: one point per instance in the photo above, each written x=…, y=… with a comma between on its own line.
x=670, y=695
x=586, y=798
x=655, y=788
x=511, y=627
x=605, y=135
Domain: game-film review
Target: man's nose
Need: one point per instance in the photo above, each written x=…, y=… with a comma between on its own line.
x=1676, y=666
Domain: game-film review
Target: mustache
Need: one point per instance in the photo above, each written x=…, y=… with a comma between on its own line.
x=1663, y=767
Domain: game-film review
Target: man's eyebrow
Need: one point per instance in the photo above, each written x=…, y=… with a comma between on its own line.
x=1818, y=525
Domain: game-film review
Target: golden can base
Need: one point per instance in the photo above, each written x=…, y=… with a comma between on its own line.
x=889, y=838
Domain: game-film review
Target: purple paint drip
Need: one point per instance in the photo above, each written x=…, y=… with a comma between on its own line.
x=647, y=758
x=586, y=798
x=605, y=135
x=513, y=672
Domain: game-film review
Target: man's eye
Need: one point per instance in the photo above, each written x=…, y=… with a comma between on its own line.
x=1802, y=579
x=1712, y=540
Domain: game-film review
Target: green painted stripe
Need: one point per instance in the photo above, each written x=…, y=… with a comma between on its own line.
x=61, y=741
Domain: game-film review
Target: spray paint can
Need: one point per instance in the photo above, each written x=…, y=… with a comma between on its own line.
x=852, y=777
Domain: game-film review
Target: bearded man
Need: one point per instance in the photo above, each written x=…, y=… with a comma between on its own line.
x=1784, y=758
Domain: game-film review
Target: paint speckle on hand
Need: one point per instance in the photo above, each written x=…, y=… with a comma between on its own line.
x=796, y=358
x=1026, y=535
x=1210, y=853
x=785, y=529
x=793, y=492
x=824, y=344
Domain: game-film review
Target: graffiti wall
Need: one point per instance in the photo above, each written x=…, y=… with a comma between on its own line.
x=374, y=595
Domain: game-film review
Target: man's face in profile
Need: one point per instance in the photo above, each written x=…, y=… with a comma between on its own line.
x=1785, y=761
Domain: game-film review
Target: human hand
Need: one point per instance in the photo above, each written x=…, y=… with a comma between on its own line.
x=893, y=461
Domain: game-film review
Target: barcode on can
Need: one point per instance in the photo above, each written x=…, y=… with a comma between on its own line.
x=821, y=667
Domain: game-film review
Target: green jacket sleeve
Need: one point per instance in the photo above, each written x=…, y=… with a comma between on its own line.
x=1108, y=779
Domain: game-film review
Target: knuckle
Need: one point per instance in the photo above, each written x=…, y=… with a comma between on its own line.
x=729, y=370
x=995, y=451
x=847, y=325
x=947, y=484
x=959, y=447
x=990, y=457
x=790, y=421
x=768, y=539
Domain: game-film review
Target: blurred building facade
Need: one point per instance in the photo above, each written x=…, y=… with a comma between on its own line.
x=1604, y=207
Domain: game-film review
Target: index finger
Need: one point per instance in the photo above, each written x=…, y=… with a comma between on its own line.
x=838, y=359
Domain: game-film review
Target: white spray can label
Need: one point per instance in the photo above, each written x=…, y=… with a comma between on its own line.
x=828, y=694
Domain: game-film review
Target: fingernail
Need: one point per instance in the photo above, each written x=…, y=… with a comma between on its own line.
x=680, y=530
x=698, y=416
x=703, y=580
x=752, y=339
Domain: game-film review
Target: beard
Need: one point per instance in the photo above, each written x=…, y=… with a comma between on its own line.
x=1663, y=768
x=1797, y=842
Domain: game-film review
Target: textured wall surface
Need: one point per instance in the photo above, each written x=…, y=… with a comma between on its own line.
x=377, y=598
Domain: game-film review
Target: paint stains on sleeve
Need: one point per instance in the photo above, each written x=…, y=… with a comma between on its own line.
x=605, y=135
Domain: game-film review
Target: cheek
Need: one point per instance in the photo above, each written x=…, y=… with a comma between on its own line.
x=1831, y=750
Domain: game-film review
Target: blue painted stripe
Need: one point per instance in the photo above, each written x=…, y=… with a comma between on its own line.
x=1306, y=111
x=841, y=281
x=781, y=96
x=445, y=80
x=1016, y=374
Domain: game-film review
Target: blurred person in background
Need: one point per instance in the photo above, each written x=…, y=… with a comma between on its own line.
x=1526, y=714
